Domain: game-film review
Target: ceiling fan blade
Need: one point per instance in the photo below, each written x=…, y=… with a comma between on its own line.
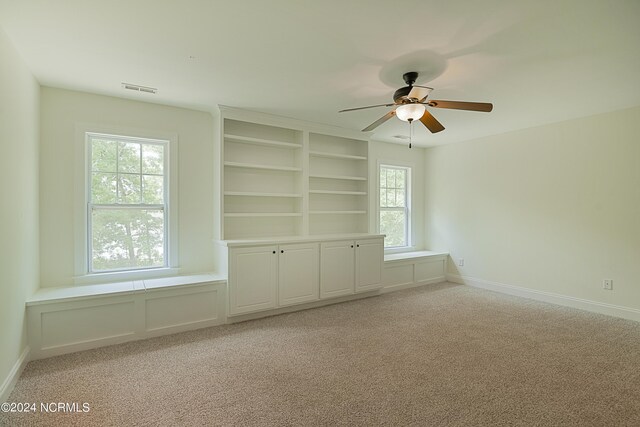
x=380, y=121
x=419, y=92
x=460, y=105
x=431, y=123
x=364, y=108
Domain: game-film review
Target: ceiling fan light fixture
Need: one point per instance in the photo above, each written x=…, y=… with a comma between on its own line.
x=410, y=112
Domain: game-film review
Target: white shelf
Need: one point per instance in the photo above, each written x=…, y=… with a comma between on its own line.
x=286, y=180
x=258, y=194
x=346, y=193
x=263, y=167
x=260, y=141
x=336, y=155
x=352, y=178
x=336, y=212
x=260, y=214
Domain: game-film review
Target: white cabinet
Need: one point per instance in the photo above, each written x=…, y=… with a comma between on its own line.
x=337, y=268
x=369, y=261
x=267, y=277
x=298, y=277
x=350, y=266
x=269, y=274
x=253, y=279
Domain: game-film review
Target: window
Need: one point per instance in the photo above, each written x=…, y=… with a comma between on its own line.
x=128, y=204
x=394, y=205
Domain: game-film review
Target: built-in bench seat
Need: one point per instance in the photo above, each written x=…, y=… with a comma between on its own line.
x=66, y=319
x=69, y=293
x=409, y=269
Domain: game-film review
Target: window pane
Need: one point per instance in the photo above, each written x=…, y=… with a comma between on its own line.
x=393, y=202
x=383, y=197
x=127, y=238
x=400, y=178
x=391, y=198
x=152, y=186
x=103, y=155
x=129, y=190
x=392, y=223
x=152, y=159
x=391, y=179
x=103, y=187
x=129, y=157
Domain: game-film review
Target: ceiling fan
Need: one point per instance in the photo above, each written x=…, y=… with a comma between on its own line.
x=410, y=104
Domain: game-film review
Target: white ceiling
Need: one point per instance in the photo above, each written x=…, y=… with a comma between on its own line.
x=536, y=61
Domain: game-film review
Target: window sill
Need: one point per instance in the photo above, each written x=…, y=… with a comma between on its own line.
x=399, y=250
x=119, y=276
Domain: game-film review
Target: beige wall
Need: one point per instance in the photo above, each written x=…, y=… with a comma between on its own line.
x=399, y=154
x=61, y=111
x=554, y=208
x=19, y=197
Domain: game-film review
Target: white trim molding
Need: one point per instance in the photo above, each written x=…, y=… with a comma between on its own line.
x=550, y=297
x=10, y=381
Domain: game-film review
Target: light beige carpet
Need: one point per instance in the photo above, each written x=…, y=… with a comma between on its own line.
x=444, y=355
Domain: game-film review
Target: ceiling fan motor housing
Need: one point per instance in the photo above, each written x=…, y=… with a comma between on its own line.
x=400, y=96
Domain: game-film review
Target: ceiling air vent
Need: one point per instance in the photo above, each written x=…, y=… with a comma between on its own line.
x=139, y=88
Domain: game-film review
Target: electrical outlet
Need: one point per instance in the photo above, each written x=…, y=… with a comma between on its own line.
x=607, y=284
x=461, y=262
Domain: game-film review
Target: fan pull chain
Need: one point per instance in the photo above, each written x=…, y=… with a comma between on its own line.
x=410, y=132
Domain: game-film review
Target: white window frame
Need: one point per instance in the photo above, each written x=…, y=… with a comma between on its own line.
x=408, y=201
x=83, y=273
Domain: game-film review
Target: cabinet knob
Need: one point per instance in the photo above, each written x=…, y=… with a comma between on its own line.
x=351, y=245
x=358, y=245
x=274, y=252
x=281, y=252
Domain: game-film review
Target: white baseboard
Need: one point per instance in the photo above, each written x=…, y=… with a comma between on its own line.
x=14, y=374
x=567, y=301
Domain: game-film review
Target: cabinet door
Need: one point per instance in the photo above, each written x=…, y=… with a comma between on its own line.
x=369, y=260
x=298, y=280
x=337, y=272
x=253, y=279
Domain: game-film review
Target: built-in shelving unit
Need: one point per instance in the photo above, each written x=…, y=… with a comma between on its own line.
x=262, y=176
x=338, y=176
x=280, y=177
